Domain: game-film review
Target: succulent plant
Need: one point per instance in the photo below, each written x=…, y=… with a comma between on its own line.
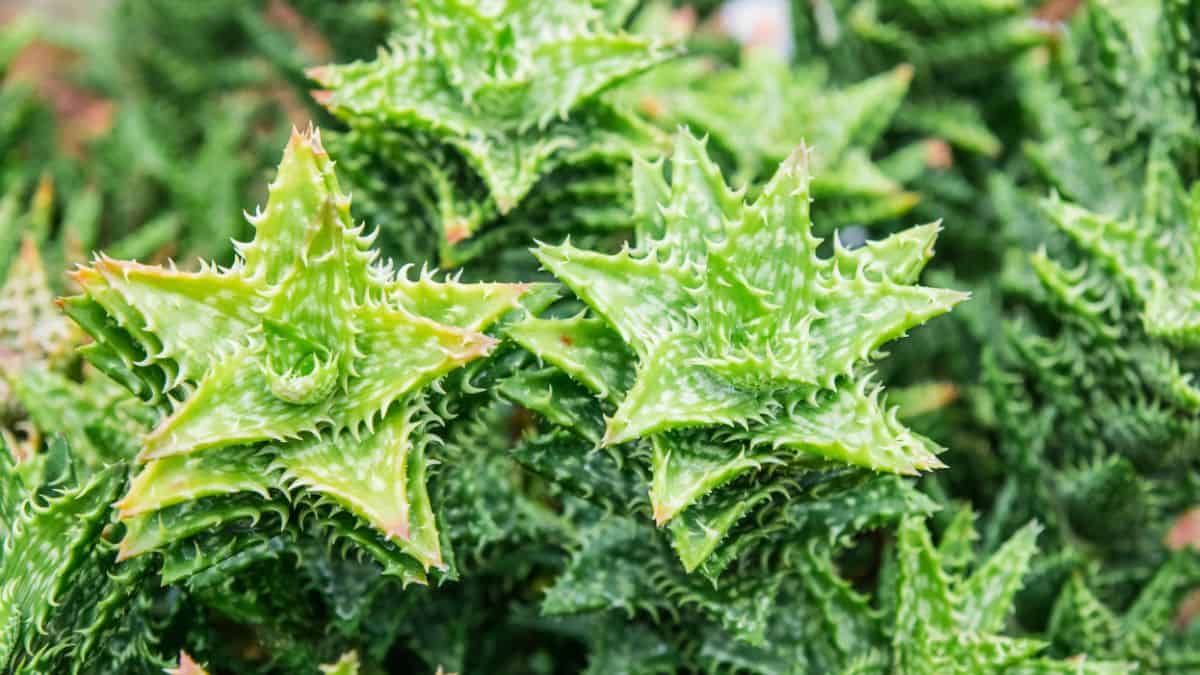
x=513, y=90
x=678, y=458
x=841, y=122
x=294, y=369
x=1089, y=368
x=709, y=304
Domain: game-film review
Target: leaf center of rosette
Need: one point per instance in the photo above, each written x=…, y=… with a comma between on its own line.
x=298, y=370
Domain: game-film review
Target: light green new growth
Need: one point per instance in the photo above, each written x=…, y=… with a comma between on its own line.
x=936, y=609
x=298, y=369
x=949, y=622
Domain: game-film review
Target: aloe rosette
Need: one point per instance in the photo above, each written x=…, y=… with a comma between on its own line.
x=727, y=342
x=479, y=102
x=300, y=368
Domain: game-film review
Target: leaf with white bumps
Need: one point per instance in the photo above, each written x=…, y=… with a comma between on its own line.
x=736, y=321
x=512, y=86
x=298, y=370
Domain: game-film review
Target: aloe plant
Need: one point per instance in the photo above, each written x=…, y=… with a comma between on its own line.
x=514, y=90
x=659, y=416
x=296, y=367
x=1089, y=370
x=43, y=389
x=721, y=336
x=843, y=123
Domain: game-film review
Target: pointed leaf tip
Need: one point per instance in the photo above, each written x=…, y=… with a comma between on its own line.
x=309, y=138
x=457, y=230
x=318, y=73
x=400, y=530
x=662, y=513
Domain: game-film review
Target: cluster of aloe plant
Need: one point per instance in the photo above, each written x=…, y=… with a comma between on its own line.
x=572, y=336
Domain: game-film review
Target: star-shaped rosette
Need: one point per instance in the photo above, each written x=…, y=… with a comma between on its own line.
x=299, y=368
x=739, y=327
x=513, y=89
